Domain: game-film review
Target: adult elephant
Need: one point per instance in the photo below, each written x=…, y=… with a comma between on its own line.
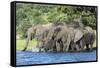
x=65, y=38
x=51, y=44
x=39, y=32
x=86, y=39
x=69, y=36
x=62, y=37
x=77, y=41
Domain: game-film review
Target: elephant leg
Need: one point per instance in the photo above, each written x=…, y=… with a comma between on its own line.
x=68, y=43
x=58, y=47
x=71, y=47
x=77, y=47
x=66, y=46
x=91, y=45
x=61, y=46
x=40, y=46
x=49, y=45
x=81, y=45
x=87, y=46
x=29, y=37
x=27, y=41
x=54, y=47
x=90, y=48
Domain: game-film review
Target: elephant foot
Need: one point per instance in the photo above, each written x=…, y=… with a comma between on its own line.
x=90, y=49
x=24, y=49
x=87, y=49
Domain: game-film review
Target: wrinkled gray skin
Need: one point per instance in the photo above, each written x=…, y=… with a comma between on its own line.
x=68, y=35
x=50, y=43
x=63, y=35
x=88, y=39
x=62, y=38
x=39, y=32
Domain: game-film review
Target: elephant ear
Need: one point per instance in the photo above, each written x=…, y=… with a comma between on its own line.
x=78, y=35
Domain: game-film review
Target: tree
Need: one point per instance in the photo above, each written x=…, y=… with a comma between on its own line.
x=28, y=14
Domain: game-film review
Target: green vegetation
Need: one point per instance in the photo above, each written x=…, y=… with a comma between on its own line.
x=28, y=14
x=21, y=43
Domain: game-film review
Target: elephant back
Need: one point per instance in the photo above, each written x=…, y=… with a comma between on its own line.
x=89, y=29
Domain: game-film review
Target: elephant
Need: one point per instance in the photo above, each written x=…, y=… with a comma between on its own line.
x=39, y=32
x=74, y=24
x=50, y=46
x=86, y=39
x=70, y=38
x=63, y=35
x=60, y=37
x=50, y=43
x=40, y=46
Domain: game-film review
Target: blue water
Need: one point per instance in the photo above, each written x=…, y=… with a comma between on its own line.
x=28, y=57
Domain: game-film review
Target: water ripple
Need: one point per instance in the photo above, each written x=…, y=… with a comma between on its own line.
x=28, y=57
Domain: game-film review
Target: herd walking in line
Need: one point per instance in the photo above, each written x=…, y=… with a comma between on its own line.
x=61, y=37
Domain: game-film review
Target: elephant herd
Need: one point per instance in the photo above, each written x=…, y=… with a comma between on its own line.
x=61, y=37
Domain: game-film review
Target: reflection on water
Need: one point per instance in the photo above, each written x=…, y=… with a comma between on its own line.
x=28, y=57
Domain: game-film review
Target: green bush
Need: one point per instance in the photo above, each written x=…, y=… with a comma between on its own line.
x=28, y=14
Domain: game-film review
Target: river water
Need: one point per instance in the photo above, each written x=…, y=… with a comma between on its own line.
x=28, y=57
